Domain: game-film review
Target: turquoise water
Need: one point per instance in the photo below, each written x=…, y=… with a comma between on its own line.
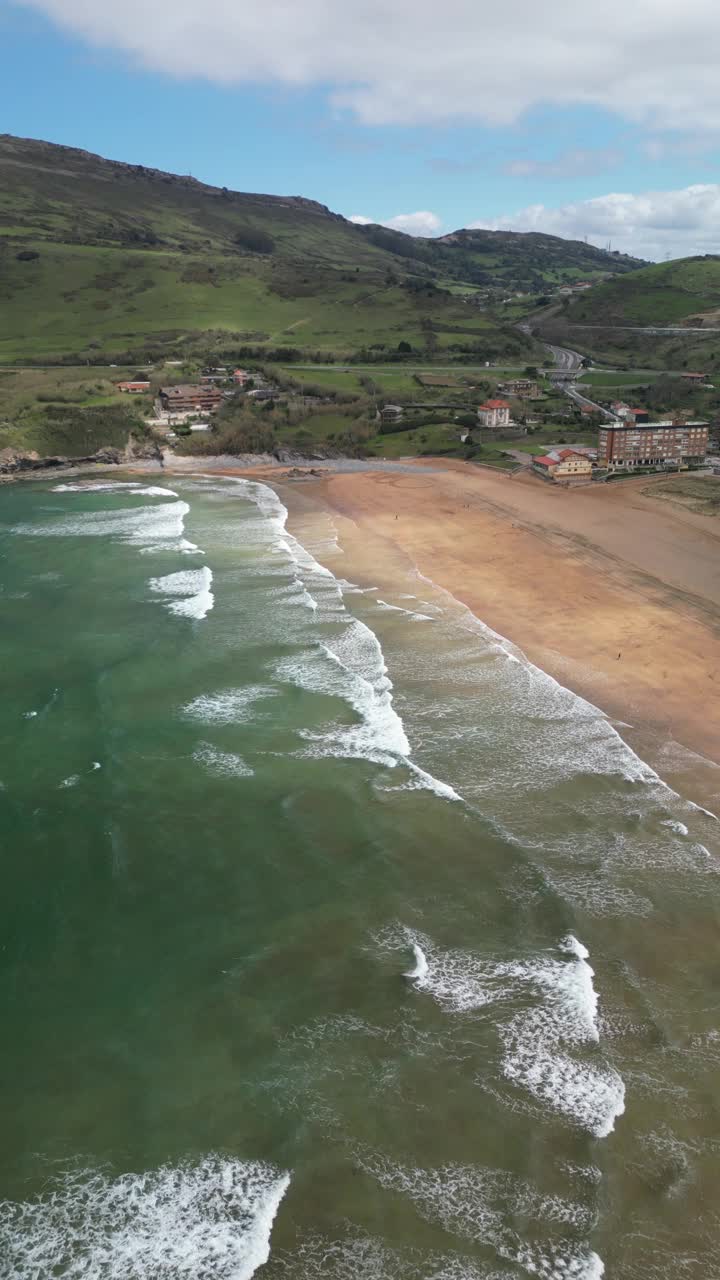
x=337, y=940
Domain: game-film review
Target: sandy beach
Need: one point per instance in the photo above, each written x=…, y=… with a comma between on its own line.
x=614, y=593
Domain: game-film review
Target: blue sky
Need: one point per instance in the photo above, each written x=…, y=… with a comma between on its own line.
x=285, y=122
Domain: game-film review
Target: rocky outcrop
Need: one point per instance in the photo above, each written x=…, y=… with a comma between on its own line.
x=17, y=462
x=148, y=447
x=14, y=462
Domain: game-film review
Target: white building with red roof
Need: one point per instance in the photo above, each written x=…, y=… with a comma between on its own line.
x=494, y=414
x=564, y=464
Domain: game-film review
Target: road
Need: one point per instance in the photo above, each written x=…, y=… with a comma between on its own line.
x=574, y=394
x=637, y=328
x=569, y=362
x=565, y=360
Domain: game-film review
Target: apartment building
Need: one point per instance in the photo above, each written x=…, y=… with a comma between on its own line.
x=623, y=446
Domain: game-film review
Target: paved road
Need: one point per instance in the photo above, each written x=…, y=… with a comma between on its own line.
x=565, y=360
x=638, y=328
x=570, y=362
x=575, y=395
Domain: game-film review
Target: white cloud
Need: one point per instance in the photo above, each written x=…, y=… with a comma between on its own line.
x=650, y=225
x=422, y=223
x=414, y=61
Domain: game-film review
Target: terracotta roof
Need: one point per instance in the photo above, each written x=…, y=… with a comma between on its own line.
x=545, y=462
x=495, y=404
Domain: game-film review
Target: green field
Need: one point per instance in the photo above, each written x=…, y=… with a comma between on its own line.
x=619, y=378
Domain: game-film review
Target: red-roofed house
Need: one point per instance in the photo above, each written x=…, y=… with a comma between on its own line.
x=240, y=377
x=136, y=387
x=494, y=414
x=563, y=464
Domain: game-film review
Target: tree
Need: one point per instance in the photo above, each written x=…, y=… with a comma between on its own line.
x=404, y=348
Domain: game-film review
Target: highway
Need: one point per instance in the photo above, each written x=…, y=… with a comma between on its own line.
x=569, y=363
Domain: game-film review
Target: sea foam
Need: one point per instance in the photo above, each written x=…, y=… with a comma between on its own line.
x=174, y=1223
x=227, y=706
x=192, y=586
x=347, y=662
x=113, y=486
x=540, y=1045
x=152, y=527
x=550, y=1046
x=224, y=764
x=482, y=1205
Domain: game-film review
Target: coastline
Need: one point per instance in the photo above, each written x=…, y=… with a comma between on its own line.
x=572, y=578
x=549, y=578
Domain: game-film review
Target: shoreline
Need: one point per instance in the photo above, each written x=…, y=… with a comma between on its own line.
x=562, y=596
x=572, y=579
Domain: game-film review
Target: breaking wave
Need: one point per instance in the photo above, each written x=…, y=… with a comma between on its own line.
x=156, y=527
x=174, y=1223
x=192, y=586
x=550, y=1045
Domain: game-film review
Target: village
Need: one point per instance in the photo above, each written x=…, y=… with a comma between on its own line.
x=628, y=441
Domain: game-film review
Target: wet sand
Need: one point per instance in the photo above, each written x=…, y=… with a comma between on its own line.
x=615, y=594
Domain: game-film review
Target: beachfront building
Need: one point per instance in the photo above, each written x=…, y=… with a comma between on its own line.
x=189, y=398
x=135, y=387
x=569, y=465
x=494, y=414
x=625, y=446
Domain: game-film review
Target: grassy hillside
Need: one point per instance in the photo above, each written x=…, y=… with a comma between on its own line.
x=530, y=261
x=669, y=293
x=99, y=258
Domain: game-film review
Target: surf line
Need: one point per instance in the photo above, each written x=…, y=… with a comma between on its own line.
x=369, y=695
x=645, y=772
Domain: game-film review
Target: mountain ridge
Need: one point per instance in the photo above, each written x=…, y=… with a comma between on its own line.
x=101, y=255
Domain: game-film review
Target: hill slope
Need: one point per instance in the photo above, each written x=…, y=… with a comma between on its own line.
x=103, y=257
x=683, y=292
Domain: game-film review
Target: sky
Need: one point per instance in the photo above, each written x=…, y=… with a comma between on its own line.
x=597, y=121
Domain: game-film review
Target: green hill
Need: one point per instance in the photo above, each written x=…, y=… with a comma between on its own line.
x=686, y=291
x=100, y=258
x=531, y=261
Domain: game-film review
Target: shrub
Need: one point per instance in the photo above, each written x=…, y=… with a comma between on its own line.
x=254, y=240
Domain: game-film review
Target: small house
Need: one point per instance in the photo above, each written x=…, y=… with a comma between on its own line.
x=135, y=387
x=564, y=464
x=494, y=414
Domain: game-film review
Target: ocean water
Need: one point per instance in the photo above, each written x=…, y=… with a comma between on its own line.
x=337, y=940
